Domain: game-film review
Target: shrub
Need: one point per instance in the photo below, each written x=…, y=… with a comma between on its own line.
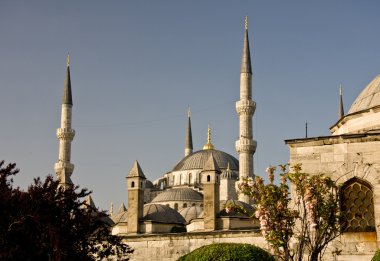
x=228, y=252
x=376, y=257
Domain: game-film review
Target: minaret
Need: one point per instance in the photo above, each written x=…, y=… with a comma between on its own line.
x=210, y=181
x=189, y=138
x=245, y=108
x=64, y=168
x=135, y=186
x=341, y=109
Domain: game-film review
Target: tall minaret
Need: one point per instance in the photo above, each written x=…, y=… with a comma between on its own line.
x=64, y=168
x=341, y=109
x=245, y=108
x=189, y=137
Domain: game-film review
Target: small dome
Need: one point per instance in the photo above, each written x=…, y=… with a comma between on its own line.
x=178, y=194
x=238, y=208
x=163, y=214
x=120, y=217
x=199, y=158
x=191, y=213
x=148, y=184
x=368, y=98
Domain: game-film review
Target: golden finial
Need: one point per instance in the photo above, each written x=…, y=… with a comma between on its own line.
x=246, y=22
x=111, y=209
x=208, y=145
x=189, y=112
x=340, y=89
x=68, y=59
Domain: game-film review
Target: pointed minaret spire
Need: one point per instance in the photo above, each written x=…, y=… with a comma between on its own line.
x=246, y=57
x=341, y=109
x=245, y=107
x=208, y=145
x=67, y=98
x=189, y=137
x=64, y=168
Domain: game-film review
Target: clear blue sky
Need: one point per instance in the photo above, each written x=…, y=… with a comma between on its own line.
x=137, y=65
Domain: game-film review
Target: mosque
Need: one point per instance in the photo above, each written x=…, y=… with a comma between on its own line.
x=193, y=204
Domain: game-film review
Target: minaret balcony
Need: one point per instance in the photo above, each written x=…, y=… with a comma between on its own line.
x=245, y=107
x=60, y=166
x=246, y=146
x=65, y=134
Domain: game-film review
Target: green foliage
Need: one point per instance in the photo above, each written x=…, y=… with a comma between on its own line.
x=47, y=222
x=228, y=252
x=314, y=206
x=376, y=257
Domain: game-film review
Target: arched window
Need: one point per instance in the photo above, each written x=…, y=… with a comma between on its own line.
x=193, y=204
x=132, y=184
x=190, y=178
x=176, y=206
x=184, y=205
x=357, y=206
x=208, y=178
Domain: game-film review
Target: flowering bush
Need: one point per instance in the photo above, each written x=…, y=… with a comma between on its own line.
x=311, y=217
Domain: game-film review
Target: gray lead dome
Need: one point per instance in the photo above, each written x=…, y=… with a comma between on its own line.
x=198, y=159
x=368, y=98
x=178, y=194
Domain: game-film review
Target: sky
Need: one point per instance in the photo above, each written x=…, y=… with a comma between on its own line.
x=136, y=66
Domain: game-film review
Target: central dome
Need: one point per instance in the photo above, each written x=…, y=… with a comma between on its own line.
x=368, y=98
x=198, y=159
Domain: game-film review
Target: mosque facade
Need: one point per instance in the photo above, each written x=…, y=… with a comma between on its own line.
x=194, y=203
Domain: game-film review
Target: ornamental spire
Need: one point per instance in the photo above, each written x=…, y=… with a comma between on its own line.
x=246, y=57
x=208, y=145
x=341, y=109
x=67, y=97
x=189, y=138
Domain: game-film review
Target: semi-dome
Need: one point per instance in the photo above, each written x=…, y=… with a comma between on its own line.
x=148, y=184
x=368, y=98
x=178, y=194
x=162, y=213
x=199, y=158
x=191, y=213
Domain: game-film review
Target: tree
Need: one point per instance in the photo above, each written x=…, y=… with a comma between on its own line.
x=47, y=222
x=311, y=216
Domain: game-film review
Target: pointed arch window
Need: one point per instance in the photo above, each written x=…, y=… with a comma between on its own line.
x=357, y=206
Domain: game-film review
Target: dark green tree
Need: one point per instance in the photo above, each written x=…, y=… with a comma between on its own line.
x=47, y=222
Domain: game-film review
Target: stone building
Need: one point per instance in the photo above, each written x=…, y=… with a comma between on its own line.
x=199, y=192
x=351, y=156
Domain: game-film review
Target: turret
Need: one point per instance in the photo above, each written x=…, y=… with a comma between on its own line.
x=135, y=186
x=64, y=168
x=210, y=180
x=228, y=184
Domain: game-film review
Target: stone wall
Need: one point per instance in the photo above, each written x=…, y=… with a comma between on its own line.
x=346, y=158
x=165, y=247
